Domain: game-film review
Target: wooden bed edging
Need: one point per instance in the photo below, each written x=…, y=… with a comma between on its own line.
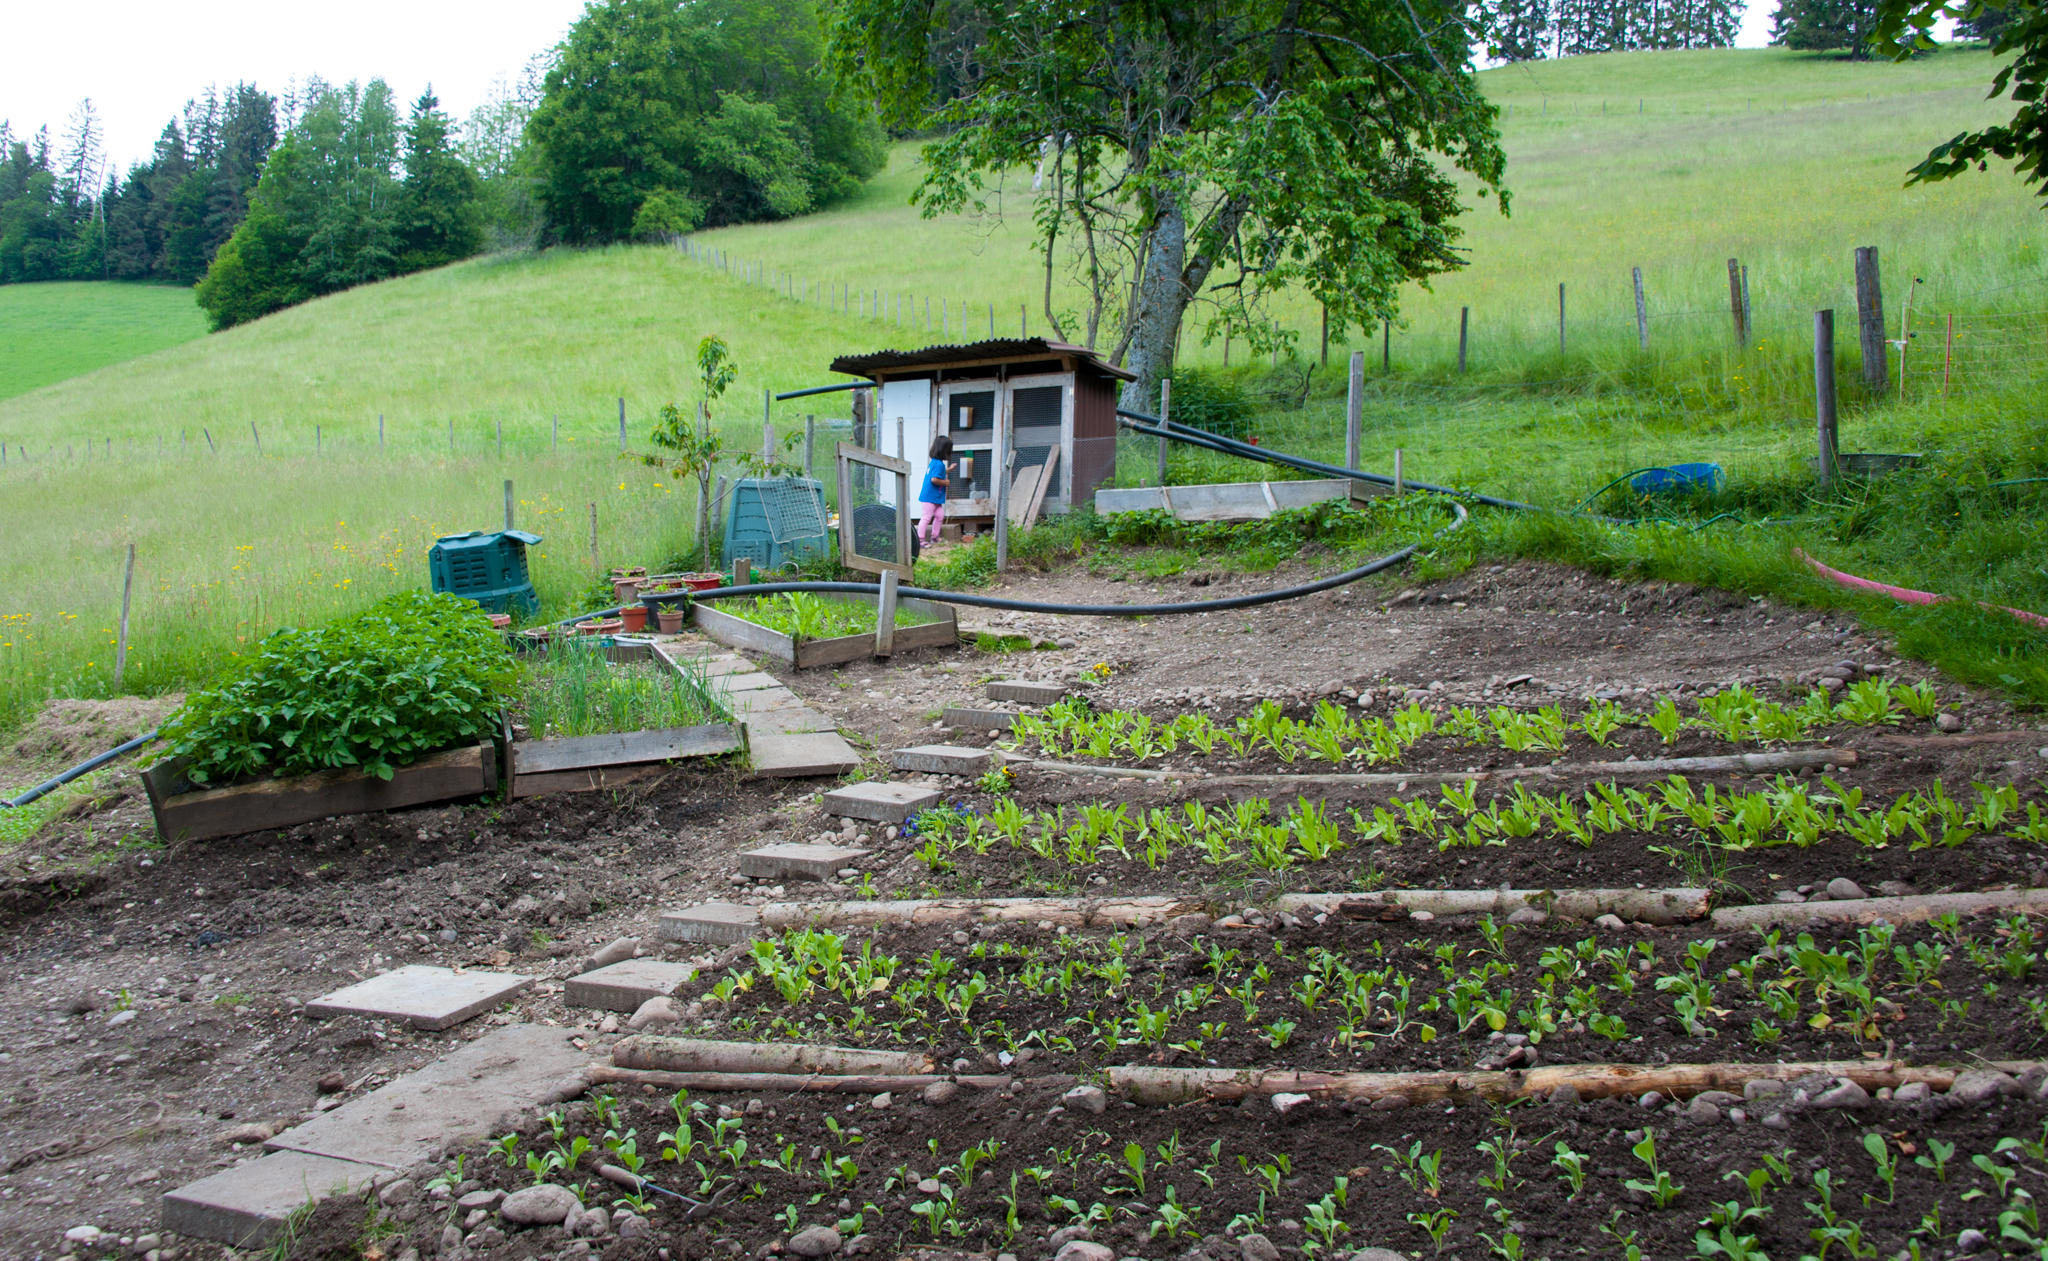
x=738, y=632
x=204, y=814
x=584, y=763
x=1905, y=910
x=1149, y=1084
x=1645, y=906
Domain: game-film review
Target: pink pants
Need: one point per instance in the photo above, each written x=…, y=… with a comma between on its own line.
x=931, y=518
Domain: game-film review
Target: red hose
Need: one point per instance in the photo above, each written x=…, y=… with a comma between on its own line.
x=1906, y=595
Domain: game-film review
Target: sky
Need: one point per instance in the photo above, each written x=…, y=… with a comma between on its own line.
x=144, y=60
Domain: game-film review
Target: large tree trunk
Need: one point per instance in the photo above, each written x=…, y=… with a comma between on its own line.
x=1161, y=299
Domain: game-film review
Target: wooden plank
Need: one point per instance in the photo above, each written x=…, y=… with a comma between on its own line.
x=625, y=748
x=581, y=781
x=1036, y=499
x=929, y=635
x=885, y=616
x=837, y=650
x=738, y=632
x=276, y=803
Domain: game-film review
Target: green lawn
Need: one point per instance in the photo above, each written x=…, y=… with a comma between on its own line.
x=55, y=331
x=1670, y=161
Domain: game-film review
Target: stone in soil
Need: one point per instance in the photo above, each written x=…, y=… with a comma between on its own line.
x=880, y=802
x=246, y=1206
x=474, y=1092
x=942, y=759
x=722, y=923
x=979, y=719
x=1026, y=691
x=424, y=997
x=791, y=720
x=814, y=1241
x=799, y=755
x=542, y=1205
x=796, y=861
x=623, y=986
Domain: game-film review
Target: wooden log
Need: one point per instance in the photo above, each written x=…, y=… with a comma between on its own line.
x=274, y=803
x=704, y=1055
x=1073, y=912
x=1148, y=1084
x=860, y=1084
x=1645, y=906
x=1905, y=910
x=624, y=748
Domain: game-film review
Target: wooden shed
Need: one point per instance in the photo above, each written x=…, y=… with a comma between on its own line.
x=1052, y=404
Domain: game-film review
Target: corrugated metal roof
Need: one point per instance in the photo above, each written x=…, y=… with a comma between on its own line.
x=971, y=352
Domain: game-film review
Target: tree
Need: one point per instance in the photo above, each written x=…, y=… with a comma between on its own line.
x=693, y=450
x=438, y=211
x=1219, y=151
x=1905, y=28
x=713, y=103
x=1826, y=26
x=1516, y=30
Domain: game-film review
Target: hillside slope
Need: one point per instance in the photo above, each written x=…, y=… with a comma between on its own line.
x=49, y=332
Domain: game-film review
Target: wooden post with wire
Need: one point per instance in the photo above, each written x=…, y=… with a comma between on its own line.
x=1735, y=302
x=1165, y=402
x=622, y=424
x=1870, y=320
x=1464, y=326
x=1642, y=313
x=1824, y=392
x=121, y=643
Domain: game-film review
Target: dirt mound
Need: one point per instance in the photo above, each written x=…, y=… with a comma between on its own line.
x=68, y=731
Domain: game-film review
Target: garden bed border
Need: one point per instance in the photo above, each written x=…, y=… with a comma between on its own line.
x=737, y=632
x=187, y=813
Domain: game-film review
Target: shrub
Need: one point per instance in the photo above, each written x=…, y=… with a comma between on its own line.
x=410, y=675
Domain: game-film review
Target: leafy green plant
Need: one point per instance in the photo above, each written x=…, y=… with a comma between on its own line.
x=1658, y=1186
x=411, y=675
x=575, y=690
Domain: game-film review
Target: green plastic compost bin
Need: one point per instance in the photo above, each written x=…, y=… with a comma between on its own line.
x=486, y=566
x=776, y=521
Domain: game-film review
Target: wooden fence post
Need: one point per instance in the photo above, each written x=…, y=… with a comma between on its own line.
x=1464, y=326
x=1824, y=391
x=1948, y=353
x=622, y=424
x=554, y=432
x=1870, y=319
x=1400, y=486
x=210, y=448
x=1642, y=313
x=1326, y=334
x=595, y=562
x=1735, y=302
x=451, y=435
x=121, y=644
x=810, y=443
x=1386, y=345
x=501, y=437
x=316, y=439
x=1354, y=411
x=252, y=433
x=508, y=503
x=1560, y=317
x=380, y=432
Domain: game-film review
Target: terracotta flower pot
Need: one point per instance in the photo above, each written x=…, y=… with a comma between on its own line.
x=625, y=590
x=501, y=621
x=704, y=581
x=671, y=621
x=601, y=626
x=626, y=572
x=635, y=618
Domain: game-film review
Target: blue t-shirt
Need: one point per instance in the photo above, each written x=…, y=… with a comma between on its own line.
x=933, y=494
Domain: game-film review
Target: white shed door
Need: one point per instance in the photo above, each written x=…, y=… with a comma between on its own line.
x=906, y=430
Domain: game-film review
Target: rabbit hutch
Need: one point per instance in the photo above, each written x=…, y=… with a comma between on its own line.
x=1049, y=405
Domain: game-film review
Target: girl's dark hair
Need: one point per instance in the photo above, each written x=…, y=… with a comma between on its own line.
x=942, y=446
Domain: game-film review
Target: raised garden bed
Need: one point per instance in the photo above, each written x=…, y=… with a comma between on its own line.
x=601, y=715
x=817, y=634
x=187, y=812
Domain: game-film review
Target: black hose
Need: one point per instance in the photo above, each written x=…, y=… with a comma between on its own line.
x=83, y=768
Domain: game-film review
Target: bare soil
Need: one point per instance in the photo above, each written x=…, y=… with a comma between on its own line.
x=215, y=947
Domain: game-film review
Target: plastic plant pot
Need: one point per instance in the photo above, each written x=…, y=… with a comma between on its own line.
x=704, y=581
x=670, y=620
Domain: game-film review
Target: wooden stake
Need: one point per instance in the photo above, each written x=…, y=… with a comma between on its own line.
x=595, y=563
x=1948, y=353
x=1824, y=391
x=1400, y=487
x=885, y=615
x=121, y=643
x=1464, y=326
x=380, y=431
x=622, y=424
x=810, y=443
x=1560, y=317
x=316, y=440
x=252, y=433
x=212, y=449
x=1642, y=313
x=501, y=437
x=508, y=503
x=1326, y=335
x=1165, y=405
x=1386, y=346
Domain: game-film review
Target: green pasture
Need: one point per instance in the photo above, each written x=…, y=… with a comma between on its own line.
x=53, y=331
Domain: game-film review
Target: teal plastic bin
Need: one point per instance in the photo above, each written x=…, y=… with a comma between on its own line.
x=486, y=566
x=776, y=521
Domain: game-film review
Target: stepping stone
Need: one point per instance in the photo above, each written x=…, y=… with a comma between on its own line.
x=942, y=759
x=788, y=720
x=792, y=756
x=721, y=923
x=760, y=701
x=796, y=860
x=1026, y=692
x=424, y=997
x=474, y=1092
x=623, y=986
x=751, y=682
x=880, y=802
x=246, y=1206
x=980, y=719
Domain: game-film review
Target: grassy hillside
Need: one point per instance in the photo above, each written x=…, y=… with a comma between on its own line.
x=1673, y=162
x=50, y=332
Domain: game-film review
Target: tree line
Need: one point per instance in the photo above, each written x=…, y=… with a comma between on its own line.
x=652, y=117
x=1526, y=30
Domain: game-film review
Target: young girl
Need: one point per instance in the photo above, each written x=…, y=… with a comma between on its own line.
x=932, y=499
